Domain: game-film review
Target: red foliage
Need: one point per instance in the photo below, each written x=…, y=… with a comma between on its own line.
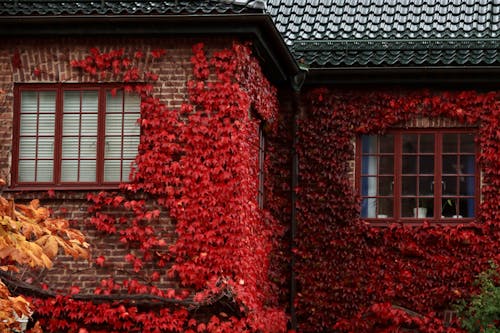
x=199, y=163
x=357, y=278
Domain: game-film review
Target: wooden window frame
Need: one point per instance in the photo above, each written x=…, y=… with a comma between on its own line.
x=438, y=174
x=56, y=182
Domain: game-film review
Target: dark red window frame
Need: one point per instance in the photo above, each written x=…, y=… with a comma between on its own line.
x=59, y=89
x=440, y=173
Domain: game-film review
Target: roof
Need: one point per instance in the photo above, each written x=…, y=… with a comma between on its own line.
x=101, y=7
x=333, y=33
x=318, y=34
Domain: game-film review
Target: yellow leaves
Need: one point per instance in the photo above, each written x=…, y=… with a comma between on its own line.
x=29, y=236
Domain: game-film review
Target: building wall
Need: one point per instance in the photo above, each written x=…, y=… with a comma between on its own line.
x=47, y=60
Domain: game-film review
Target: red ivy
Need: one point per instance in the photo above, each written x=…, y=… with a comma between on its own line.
x=357, y=278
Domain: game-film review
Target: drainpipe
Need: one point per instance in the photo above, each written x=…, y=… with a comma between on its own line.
x=297, y=82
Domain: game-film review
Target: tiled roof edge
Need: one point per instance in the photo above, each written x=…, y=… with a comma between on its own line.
x=390, y=44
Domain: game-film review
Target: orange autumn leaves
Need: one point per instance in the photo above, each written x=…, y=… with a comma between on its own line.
x=30, y=236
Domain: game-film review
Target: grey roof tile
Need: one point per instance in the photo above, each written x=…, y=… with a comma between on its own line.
x=433, y=32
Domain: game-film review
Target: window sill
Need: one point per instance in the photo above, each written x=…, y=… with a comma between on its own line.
x=418, y=222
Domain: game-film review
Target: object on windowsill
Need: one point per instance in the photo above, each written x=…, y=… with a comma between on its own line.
x=382, y=216
x=420, y=212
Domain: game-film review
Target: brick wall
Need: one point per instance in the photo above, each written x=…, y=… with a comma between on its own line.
x=18, y=60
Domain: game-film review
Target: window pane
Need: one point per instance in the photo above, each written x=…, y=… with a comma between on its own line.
x=114, y=103
x=426, y=164
x=132, y=103
x=407, y=207
x=44, y=170
x=467, y=185
x=89, y=124
x=130, y=146
x=450, y=142
x=409, y=185
x=69, y=170
x=46, y=124
x=71, y=124
x=114, y=124
x=26, y=170
x=387, y=144
x=113, y=147
x=27, y=148
x=29, y=102
x=69, y=147
x=450, y=185
x=369, y=186
x=72, y=103
x=385, y=208
x=427, y=143
x=369, y=165
x=369, y=208
x=45, y=147
x=386, y=165
x=467, y=208
x=369, y=143
x=88, y=170
x=131, y=126
x=90, y=101
x=450, y=164
x=28, y=124
x=467, y=144
x=112, y=171
x=385, y=185
x=410, y=143
x=467, y=163
x=88, y=147
x=126, y=166
x=449, y=207
x=409, y=164
x=47, y=101
x=426, y=185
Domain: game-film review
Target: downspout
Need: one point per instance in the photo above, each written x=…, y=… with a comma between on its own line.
x=297, y=81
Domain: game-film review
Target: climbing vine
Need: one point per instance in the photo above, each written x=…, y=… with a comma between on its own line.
x=357, y=278
x=196, y=167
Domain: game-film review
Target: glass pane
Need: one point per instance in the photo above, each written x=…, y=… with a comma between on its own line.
x=114, y=103
x=369, y=208
x=69, y=170
x=407, y=207
x=88, y=147
x=369, y=144
x=369, y=165
x=44, y=170
x=88, y=170
x=46, y=124
x=410, y=143
x=27, y=147
x=131, y=126
x=425, y=208
x=89, y=101
x=450, y=142
x=70, y=147
x=467, y=186
x=387, y=144
x=28, y=124
x=449, y=207
x=47, y=102
x=409, y=185
x=385, y=186
x=126, y=169
x=467, y=143
x=89, y=124
x=467, y=208
x=71, y=124
x=112, y=170
x=450, y=185
x=26, y=170
x=130, y=145
x=29, y=101
x=72, y=101
x=450, y=164
x=426, y=186
x=113, y=147
x=386, y=165
x=427, y=164
x=409, y=164
x=385, y=208
x=113, y=124
x=45, y=147
x=467, y=163
x=368, y=186
x=427, y=143
x=132, y=103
